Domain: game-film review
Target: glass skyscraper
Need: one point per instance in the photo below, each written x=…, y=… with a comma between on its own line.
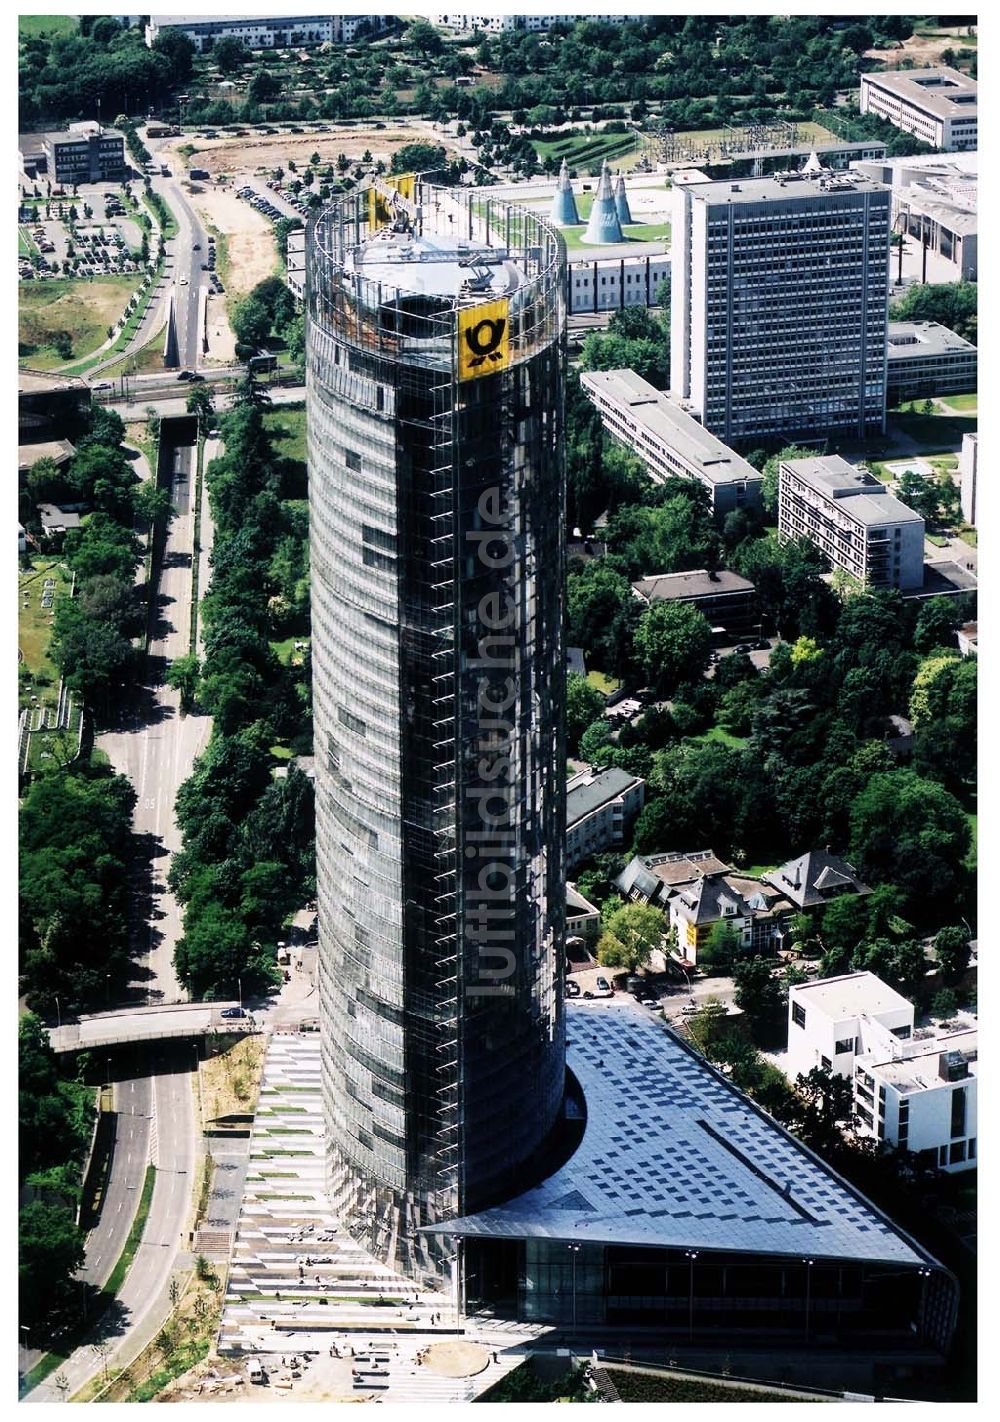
x=435, y=359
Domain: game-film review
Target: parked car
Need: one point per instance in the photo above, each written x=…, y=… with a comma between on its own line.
x=743, y=647
x=234, y=1012
x=602, y=988
x=572, y=988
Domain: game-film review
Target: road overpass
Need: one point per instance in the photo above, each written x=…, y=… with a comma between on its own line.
x=148, y=1024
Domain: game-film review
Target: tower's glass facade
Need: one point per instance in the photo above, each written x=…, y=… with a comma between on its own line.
x=435, y=352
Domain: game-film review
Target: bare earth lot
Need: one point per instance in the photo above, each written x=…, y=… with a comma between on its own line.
x=244, y=156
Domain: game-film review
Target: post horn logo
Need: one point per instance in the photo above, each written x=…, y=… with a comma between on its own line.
x=484, y=340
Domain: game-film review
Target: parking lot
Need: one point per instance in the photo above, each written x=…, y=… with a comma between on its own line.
x=94, y=233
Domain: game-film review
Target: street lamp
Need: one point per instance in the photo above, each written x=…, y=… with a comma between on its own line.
x=691, y=1255
x=58, y=1014
x=239, y=989
x=808, y=1263
x=574, y=1250
x=107, y=989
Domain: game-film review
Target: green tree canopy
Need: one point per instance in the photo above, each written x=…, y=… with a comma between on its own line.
x=633, y=933
x=672, y=640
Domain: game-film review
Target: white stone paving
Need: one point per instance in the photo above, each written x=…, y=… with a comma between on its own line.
x=299, y=1284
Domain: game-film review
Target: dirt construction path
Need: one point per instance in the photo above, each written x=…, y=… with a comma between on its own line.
x=244, y=156
x=252, y=253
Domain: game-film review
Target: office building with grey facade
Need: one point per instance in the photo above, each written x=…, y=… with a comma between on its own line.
x=669, y=441
x=82, y=153
x=847, y=514
x=779, y=297
x=939, y=106
x=435, y=360
x=926, y=358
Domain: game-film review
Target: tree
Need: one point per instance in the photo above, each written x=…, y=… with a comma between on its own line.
x=937, y=622
x=199, y=402
x=182, y=674
x=262, y=87
x=945, y=1004
x=945, y=684
x=230, y=54
x=901, y=965
x=424, y=38
x=910, y=832
x=723, y=946
x=824, y=1103
x=584, y=704
x=769, y=482
x=50, y=1250
x=672, y=640
x=760, y=991
x=634, y=932
x=952, y=950
x=418, y=158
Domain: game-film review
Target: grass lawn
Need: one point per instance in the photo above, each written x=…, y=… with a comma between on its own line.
x=34, y=628
x=723, y=737
x=25, y=246
x=633, y=232
x=287, y=425
x=45, y=26
x=968, y=534
x=287, y=655
x=145, y=361
x=937, y=540
x=932, y=432
x=83, y=308
x=962, y=402
x=604, y=684
x=585, y=152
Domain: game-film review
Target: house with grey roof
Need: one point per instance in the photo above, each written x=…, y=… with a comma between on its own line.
x=754, y=910
x=814, y=878
x=654, y=878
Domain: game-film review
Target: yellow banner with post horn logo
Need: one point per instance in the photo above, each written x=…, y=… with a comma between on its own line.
x=483, y=339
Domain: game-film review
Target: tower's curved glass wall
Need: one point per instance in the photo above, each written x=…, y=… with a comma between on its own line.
x=435, y=413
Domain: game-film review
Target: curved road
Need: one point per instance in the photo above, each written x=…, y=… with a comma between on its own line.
x=133, y=1102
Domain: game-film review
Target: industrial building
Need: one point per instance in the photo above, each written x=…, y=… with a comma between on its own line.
x=435, y=359
x=847, y=514
x=779, y=299
x=935, y=201
x=938, y=106
x=267, y=32
x=669, y=440
x=928, y=359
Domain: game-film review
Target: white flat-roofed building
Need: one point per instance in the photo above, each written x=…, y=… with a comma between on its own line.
x=847, y=514
x=914, y=1087
x=827, y=1018
x=267, y=31
x=935, y=195
x=968, y=469
x=779, y=295
x=621, y=276
x=600, y=807
x=926, y=358
x=938, y=106
x=669, y=440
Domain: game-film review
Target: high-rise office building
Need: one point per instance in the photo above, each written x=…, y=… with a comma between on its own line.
x=779, y=304
x=435, y=358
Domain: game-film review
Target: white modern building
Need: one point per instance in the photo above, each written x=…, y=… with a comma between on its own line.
x=533, y=24
x=914, y=1087
x=938, y=106
x=968, y=468
x=600, y=808
x=847, y=514
x=935, y=199
x=669, y=440
x=779, y=296
x=267, y=31
x=630, y=275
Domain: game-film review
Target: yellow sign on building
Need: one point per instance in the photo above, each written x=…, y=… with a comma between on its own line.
x=483, y=339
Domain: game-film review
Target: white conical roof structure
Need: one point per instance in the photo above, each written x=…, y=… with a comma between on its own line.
x=812, y=164
x=603, y=225
x=564, y=213
x=621, y=201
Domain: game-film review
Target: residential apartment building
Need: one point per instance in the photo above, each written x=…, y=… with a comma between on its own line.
x=727, y=601
x=915, y=1088
x=847, y=514
x=938, y=106
x=935, y=198
x=583, y=919
x=601, y=807
x=81, y=153
x=928, y=359
x=669, y=440
x=505, y=24
x=968, y=469
x=268, y=32
x=779, y=298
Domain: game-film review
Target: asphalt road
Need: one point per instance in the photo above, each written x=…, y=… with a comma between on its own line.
x=188, y=274
x=166, y=405
x=143, y=1300
x=156, y=747
x=133, y=1102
